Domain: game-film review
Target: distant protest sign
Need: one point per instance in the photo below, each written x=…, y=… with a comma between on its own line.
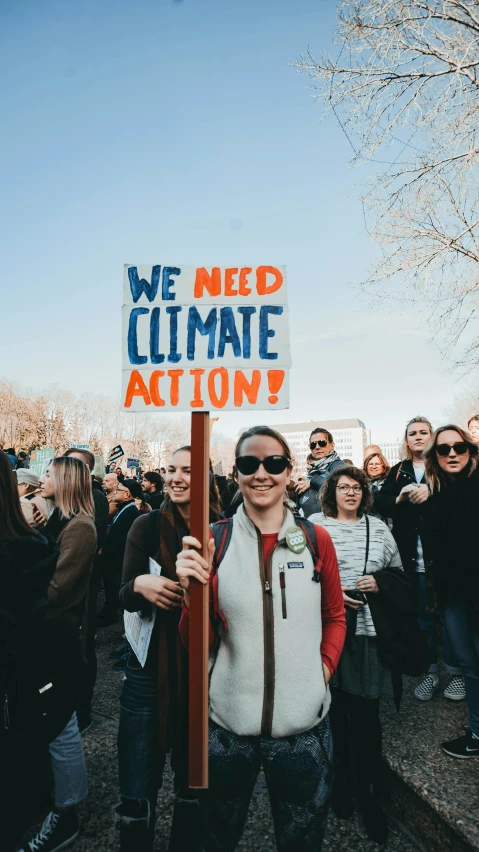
x=40, y=460
x=205, y=338
x=116, y=453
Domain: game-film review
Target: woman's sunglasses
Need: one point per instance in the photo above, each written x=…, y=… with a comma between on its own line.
x=314, y=444
x=272, y=464
x=460, y=448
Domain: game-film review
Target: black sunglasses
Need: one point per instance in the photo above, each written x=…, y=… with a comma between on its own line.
x=460, y=448
x=272, y=464
x=314, y=444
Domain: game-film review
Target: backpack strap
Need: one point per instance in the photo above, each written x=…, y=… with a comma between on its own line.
x=222, y=531
x=312, y=545
x=399, y=471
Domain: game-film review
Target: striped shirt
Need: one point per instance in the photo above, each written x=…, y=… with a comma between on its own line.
x=349, y=539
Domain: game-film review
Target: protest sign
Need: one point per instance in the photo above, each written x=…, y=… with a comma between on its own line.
x=80, y=446
x=116, y=453
x=40, y=459
x=133, y=463
x=205, y=338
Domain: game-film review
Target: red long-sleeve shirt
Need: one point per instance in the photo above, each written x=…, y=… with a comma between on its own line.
x=332, y=603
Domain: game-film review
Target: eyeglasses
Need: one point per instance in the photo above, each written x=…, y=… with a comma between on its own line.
x=345, y=489
x=272, y=464
x=460, y=448
x=119, y=490
x=314, y=444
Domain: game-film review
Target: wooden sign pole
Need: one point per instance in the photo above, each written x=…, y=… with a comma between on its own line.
x=199, y=596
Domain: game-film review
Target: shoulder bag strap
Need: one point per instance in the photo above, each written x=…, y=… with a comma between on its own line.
x=367, y=546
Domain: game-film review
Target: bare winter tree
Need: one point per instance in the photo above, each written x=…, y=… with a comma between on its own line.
x=405, y=90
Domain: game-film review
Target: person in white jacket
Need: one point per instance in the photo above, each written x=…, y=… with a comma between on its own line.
x=276, y=638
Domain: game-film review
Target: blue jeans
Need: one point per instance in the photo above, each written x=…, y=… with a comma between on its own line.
x=466, y=646
x=141, y=761
x=298, y=775
x=427, y=623
x=69, y=767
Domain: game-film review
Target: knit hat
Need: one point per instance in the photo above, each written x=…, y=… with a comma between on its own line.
x=27, y=476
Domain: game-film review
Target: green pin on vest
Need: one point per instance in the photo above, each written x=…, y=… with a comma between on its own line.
x=296, y=539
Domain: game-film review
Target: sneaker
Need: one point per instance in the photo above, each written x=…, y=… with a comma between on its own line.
x=57, y=832
x=455, y=690
x=425, y=690
x=462, y=747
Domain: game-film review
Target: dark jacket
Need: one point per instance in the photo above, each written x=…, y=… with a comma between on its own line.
x=451, y=543
x=406, y=516
x=115, y=542
x=155, y=499
x=101, y=513
x=309, y=501
x=401, y=643
x=26, y=568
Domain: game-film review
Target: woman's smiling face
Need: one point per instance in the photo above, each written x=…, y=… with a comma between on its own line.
x=178, y=477
x=262, y=490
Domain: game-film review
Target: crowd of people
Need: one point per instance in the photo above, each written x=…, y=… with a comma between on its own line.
x=323, y=592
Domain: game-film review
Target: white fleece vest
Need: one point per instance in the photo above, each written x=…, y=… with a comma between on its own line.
x=241, y=681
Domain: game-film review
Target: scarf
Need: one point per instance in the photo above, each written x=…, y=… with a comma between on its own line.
x=322, y=465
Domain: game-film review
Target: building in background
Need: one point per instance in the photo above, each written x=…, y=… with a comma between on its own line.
x=391, y=449
x=350, y=438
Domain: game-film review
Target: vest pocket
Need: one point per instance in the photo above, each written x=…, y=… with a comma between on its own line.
x=282, y=585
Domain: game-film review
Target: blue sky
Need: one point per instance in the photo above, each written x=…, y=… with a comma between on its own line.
x=137, y=131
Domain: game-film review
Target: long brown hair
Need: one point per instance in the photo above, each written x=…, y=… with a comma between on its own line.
x=12, y=522
x=434, y=473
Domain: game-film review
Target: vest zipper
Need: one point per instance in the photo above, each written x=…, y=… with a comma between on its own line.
x=282, y=585
x=268, y=638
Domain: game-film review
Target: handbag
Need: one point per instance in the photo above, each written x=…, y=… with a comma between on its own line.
x=351, y=614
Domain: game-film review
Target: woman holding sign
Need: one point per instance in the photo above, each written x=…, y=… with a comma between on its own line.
x=277, y=631
x=154, y=695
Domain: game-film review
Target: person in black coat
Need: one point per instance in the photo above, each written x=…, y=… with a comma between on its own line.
x=27, y=563
x=402, y=498
x=451, y=547
x=113, y=550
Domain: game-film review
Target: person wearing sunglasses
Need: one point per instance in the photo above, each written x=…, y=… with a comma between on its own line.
x=451, y=547
x=276, y=637
x=125, y=496
x=364, y=546
x=403, y=498
x=325, y=460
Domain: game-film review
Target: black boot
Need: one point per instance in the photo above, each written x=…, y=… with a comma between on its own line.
x=375, y=821
x=185, y=827
x=342, y=793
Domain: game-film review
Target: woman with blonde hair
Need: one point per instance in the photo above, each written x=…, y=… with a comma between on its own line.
x=451, y=546
x=403, y=498
x=67, y=482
